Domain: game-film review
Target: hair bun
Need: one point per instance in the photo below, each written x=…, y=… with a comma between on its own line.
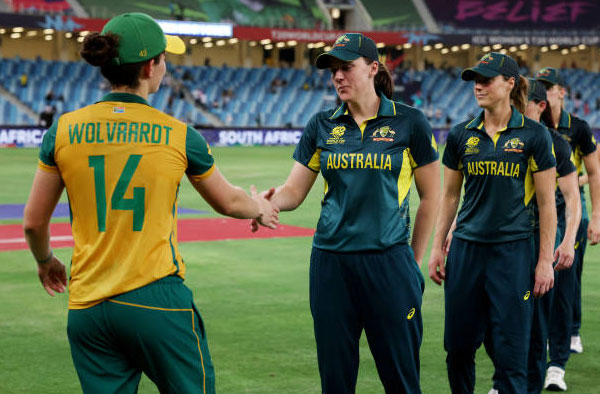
x=99, y=49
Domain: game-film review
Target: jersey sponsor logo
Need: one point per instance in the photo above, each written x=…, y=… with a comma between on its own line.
x=514, y=145
x=411, y=313
x=471, y=144
x=118, y=110
x=359, y=161
x=495, y=168
x=527, y=295
x=336, y=135
x=384, y=133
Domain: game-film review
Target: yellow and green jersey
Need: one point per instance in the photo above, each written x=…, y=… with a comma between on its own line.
x=367, y=171
x=122, y=162
x=498, y=176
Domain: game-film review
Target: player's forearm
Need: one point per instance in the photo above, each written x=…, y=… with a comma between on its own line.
x=287, y=198
x=570, y=193
x=38, y=239
x=594, y=182
x=424, y=221
x=240, y=205
x=547, y=211
x=448, y=208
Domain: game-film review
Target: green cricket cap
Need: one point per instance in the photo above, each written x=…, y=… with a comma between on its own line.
x=491, y=65
x=141, y=38
x=550, y=75
x=349, y=47
x=536, y=91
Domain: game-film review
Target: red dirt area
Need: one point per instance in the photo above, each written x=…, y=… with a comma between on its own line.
x=188, y=230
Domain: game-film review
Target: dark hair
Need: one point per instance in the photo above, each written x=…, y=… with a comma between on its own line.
x=518, y=94
x=546, y=116
x=383, y=79
x=100, y=50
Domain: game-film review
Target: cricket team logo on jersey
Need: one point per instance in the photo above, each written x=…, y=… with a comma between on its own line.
x=514, y=145
x=384, y=133
x=336, y=135
x=471, y=144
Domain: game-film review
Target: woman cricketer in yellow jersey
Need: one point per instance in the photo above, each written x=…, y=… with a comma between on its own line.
x=121, y=162
x=364, y=275
x=504, y=160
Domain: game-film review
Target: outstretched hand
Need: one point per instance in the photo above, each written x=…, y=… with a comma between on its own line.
x=269, y=212
x=53, y=276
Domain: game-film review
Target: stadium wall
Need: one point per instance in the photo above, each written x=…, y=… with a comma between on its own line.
x=31, y=136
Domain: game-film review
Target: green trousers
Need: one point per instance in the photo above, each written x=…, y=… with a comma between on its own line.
x=155, y=329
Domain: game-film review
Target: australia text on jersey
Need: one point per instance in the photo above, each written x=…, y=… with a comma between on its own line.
x=376, y=161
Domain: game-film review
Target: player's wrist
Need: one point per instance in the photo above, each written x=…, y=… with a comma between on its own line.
x=47, y=259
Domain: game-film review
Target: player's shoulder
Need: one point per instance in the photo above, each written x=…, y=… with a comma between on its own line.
x=578, y=123
x=402, y=109
x=462, y=127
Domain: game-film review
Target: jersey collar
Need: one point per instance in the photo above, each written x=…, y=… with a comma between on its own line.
x=386, y=108
x=124, y=98
x=565, y=120
x=516, y=121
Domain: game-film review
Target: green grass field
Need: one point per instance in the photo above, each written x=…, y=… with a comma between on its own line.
x=253, y=295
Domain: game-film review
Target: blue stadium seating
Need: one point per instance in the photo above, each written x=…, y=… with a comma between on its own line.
x=256, y=100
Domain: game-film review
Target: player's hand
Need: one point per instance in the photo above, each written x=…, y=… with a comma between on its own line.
x=437, y=266
x=564, y=256
x=544, y=278
x=447, y=243
x=269, y=212
x=53, y=276
x=593, y=231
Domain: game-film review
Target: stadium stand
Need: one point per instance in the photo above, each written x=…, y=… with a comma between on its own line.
x=272, y=97
x=300, y=14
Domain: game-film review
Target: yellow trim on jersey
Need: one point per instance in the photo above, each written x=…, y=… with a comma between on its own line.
x=325, y=187
x=433, y=143
x=405, y=176
x=46, y=168
x=363, y=126
x=336, y=111
x=394, y=104
x=529, y=185
x=204, y=175
x=315, y=160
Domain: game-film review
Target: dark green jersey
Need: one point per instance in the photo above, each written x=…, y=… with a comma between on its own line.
x=367, y=171
x=498, y=176
x=579, y=135
x=565, y=165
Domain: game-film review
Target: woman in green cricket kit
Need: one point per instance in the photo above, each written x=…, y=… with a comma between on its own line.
x=504, y=160
x=364, y=275
x=129, y=311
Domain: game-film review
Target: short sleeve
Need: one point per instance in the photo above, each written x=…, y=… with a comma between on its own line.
x=564, y=162
x=46, y=161
x=585, y=140
x=423, y=148
x=451, y=158
x=200, y=160
x=306, y=152
x=542, y=152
